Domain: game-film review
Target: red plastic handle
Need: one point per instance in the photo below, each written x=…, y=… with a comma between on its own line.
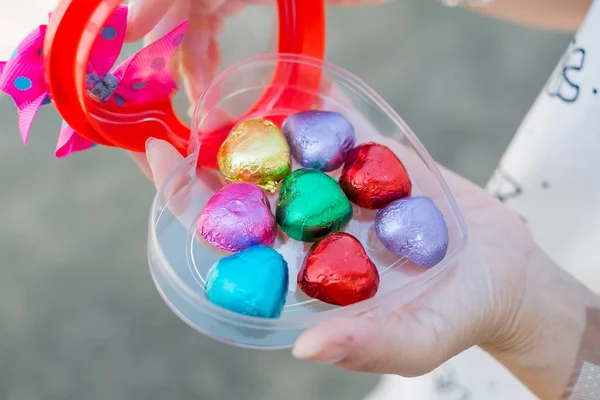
x=73, y=28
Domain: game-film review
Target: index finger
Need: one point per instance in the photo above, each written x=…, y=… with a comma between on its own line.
x=143, y=16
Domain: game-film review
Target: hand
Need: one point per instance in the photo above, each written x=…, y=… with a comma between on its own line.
x=199, y=57
x=497, y=297
x=504, y=295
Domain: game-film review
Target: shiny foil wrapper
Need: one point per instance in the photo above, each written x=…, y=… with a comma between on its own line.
x=338, y=271
x=374, y=176
x=252, y=282
x=413, y=228
x=237, y=217
x=255, y=152
x=311, y=205
x=319, y=139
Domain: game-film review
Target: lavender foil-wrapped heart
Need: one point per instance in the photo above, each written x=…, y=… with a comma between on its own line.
x=414, y=228
x=319, y=139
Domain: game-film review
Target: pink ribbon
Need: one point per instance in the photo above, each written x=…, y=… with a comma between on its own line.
x=23, y=79
x=141, y=79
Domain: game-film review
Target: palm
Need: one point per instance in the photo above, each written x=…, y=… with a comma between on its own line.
x=470, y=306
x=489, y=278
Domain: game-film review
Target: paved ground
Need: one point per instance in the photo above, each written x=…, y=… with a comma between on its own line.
x=80, y=318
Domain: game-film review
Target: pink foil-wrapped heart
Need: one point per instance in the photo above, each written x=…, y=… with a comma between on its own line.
x=237, y=217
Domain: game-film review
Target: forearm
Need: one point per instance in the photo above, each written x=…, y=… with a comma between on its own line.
x=557, y=332
x=562, y=15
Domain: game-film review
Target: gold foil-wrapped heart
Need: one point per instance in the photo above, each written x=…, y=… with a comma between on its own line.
x=255, y=152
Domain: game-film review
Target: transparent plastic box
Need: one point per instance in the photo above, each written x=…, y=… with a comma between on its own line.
x=179, y=261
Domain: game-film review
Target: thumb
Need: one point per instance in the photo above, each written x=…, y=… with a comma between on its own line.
x=162, y=159
x=200, y=53
x=172, y=175
x=408, y=343
x=143, y=16
x=178, y=180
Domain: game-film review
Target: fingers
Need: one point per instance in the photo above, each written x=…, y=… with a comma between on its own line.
x=200, y=50
x=200, y=53
x=199, y=56
x=162, y=159
x=410, y=342
x=143, y=16
x=346, y=3
x=398, y=344
x=177, y=181
x=176, y=14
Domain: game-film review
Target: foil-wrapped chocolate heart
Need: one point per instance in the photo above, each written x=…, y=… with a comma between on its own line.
x=311, y=205
x=319, y=139
x=373, y=176
x=252, y=282
x=413, y=228
x=255, y=152
x=237, y=217
x=338, y=271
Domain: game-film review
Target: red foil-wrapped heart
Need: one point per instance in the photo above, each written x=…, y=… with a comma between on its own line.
x=373, y=176
x=338, y=271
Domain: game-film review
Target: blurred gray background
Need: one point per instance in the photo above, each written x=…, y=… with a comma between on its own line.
x=79, y=316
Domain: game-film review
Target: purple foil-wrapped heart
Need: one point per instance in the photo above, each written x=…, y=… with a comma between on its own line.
x=319, y=139
x=414, y=228
x=237, y=217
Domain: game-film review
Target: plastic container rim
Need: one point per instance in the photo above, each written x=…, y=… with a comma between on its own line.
x=363, y=90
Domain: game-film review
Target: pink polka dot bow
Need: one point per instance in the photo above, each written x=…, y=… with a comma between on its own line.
x=141, y=79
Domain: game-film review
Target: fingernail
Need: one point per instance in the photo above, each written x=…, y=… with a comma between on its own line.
x=150, y=149
x=191, y=110
x=318, y=353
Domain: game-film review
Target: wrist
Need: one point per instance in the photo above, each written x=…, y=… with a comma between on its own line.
x=539, y=340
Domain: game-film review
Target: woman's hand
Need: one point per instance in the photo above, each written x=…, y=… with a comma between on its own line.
x=504, y=295
x=199, y=57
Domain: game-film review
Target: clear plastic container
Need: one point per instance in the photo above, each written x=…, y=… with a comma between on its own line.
x=179, y=261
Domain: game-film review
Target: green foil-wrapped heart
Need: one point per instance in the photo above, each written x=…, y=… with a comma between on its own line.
x=311, y=205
